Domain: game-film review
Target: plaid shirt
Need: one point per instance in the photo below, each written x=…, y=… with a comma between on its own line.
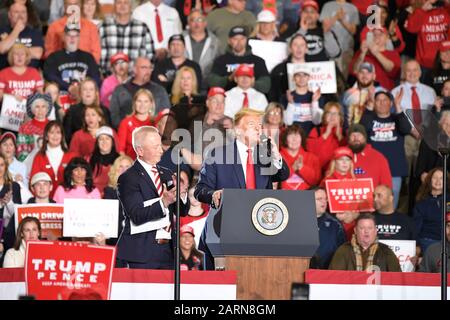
x=134, y=39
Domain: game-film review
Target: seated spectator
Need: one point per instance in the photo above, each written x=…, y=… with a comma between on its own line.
x=18, y=170
x=244, y=95
x=432, y=258
x=441, y=69
x=58, y=112
x=20, y=80
x=91, y=11
x=165, y=70
x=53, y=156
x=387, y=131
x=119, y=66
x=20, y=28
x=83, y=140
x=364, y=252
x=303, y=108
x=38, y=107
x=41, y=185
x=273, y=123
x=78, y=182
x=323, y=140
x=368, y=162
x=361, y=94
x=266, y=27
x=391, y=224
x=29, y=229
x=90, y=96
x=202, y=46
x=120, y=165
x=142, y=114
x=342, y=18
x=89, y=40
x=387, y=63
x=103, y=157
x=427, y=211
x=322, y=44
x=331, y=233
x=191, y=258
x=71, y=65
x=238, y=52
x=304, y=167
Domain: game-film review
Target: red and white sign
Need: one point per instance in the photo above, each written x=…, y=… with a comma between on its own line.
x=50, y=215
x=64, y=270
x=350, y=195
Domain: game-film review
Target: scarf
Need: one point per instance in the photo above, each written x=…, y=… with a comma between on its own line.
x=358, y=254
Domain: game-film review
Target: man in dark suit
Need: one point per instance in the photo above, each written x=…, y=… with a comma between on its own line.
x=239, y=164
x=148, y=205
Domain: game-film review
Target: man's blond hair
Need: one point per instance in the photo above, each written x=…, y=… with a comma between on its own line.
x=246, y=113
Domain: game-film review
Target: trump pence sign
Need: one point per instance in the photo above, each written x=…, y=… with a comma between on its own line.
x=350, y=195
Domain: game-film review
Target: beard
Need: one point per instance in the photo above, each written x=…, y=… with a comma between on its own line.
x=365, y=85
x=357, y=148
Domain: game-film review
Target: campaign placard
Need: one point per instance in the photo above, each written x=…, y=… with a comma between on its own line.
x=350, y=195
x=50, y=216
x=404, y=250
x=68, y=270
x=323, y=76
x=13, y=112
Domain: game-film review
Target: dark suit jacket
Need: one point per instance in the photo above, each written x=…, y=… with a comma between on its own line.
x=134, y=188
x=223, y=169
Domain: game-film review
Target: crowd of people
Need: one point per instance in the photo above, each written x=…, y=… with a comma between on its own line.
x=105, y=87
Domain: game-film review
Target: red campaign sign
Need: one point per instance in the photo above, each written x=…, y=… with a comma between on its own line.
x=50, y=216
x=68, y=270
x=350, y=195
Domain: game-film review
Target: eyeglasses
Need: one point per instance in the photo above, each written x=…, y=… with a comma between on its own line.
x=274, y=113
x=199, y=19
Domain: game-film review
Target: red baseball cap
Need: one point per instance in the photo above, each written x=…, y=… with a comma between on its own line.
x=119, y=56
x=8, y=134
x=216, y=90
x=187, y=229
x=310, y=3
x=342, y=152
x=244, y=70
x=445, y=46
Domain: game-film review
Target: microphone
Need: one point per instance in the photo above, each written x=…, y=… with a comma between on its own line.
x=265, y=141
x=265, y=151
x=166, y=178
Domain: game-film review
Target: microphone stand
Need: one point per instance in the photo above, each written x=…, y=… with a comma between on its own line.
x=177, y=283
x=444, y=254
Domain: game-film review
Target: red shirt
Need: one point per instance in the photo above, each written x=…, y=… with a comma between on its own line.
x=431, y=27
x=362, y=5
x=20, y=84
x=83, y=143
x=126, y=127
x=41, y=163
x=305, y=178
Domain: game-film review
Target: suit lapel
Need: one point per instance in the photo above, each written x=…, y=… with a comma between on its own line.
x=237, y=166
x=144, y=176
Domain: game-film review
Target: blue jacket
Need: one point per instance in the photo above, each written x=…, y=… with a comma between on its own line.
x=427, y=217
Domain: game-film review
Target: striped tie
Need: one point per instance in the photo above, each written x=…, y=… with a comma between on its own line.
x=157, y=180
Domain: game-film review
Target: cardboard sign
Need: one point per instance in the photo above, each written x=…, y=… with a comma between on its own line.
x=13, y=112
x=87, y=217
x=404, y=250
x=323, y=76
x=49, y=214
x=350, y=195
x=66, y=270
x=273, y=52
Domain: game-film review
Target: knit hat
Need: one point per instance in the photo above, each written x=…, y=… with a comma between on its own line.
x=40, y=176
x=356, y=127
x=104, y=130
x=36, y=96
x=187, y=229
x=244, y=70
x=342, y=152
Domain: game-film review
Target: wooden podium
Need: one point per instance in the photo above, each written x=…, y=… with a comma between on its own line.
x=266, y=278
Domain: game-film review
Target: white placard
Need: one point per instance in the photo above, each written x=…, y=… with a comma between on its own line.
x=273, y=52
x=87, y=217
x=13, y=112
x=404, y=250
x=150, y=225
x=323, y=76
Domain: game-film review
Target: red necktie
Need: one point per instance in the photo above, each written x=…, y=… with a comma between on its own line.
x=415, y=103
x=159, y=33
x=157, y=179
x=245, y=101
x=250, y=178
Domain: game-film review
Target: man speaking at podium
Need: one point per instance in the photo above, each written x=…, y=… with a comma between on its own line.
x=251, y=162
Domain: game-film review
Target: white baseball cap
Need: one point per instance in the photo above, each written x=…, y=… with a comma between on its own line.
x=104, y=130
x=40, y=176
x=266, y=16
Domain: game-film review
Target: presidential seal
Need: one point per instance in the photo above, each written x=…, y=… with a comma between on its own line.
x=270, y=216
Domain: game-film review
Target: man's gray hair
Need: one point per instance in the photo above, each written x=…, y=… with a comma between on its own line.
x=139, y=134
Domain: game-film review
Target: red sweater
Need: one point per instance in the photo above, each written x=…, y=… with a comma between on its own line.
x=101, y=178
x=323, y=148
x=83, y=143
x=372, y=164
x=305, y=178
x=126, y=127
x=398, y=33
x=431, y=27
x=386, y=79
x=41, y=163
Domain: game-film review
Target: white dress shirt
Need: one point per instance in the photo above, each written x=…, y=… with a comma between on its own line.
x=426, y=94
x=235, y=98
x=170, y=21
